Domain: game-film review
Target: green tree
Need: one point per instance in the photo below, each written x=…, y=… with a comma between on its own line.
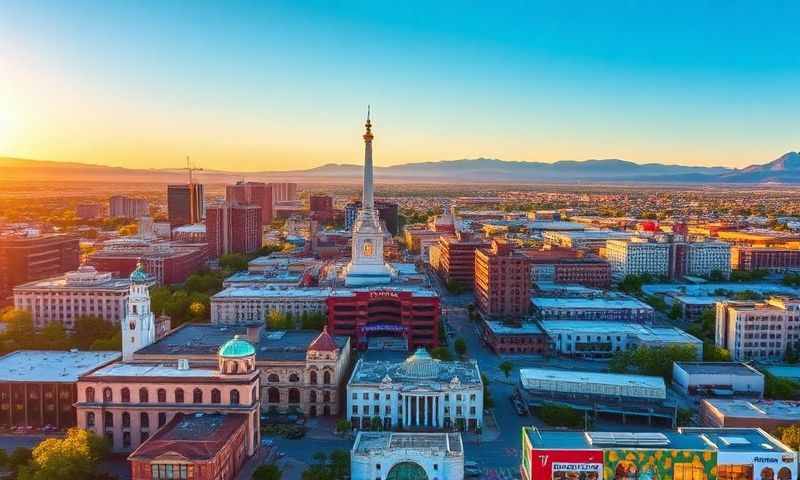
x=74, y=456
x=441, y=353
x=313, y=320
x=460, y=347
x=89, y=328
x=455, y=287
x=790, y=436
x=267, y=472
x=340, y=464
x=277, y=320
x=320, y=458
x=675, y=312
x=233, y=262
x=114, y=343
x=19, y=328
x=506, y=367
x=343, y=425
x=713, y=353
x=655, y=361
x=557, y=415
x=488, y=402
x=54, y=337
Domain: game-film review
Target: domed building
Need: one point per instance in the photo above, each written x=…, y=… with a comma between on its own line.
x=407, y=456
x=420, y=393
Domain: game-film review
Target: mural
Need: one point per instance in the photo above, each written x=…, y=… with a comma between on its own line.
x=626, y=464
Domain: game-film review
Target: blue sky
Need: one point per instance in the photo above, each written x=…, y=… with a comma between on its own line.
x=283, y=85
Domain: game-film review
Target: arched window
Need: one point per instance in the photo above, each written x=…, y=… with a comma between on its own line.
x=162, y=395
x=197, y=396
x=162, y=419
x=294, y=378
x=126, y=395
x=108, y=420
x=90, y=419
x=313, y=396
x=273, y=395
x=234, y=397
x=326, y=396
x=144, y=420
x=234, y=368
x=294, y=395
x=90, y=395
x=108, y=396
x=273, y=378
x=312, y=378
x=216, y=397
x=326, y=377
x=179, y=395
x=126, y=420
x=144, y=396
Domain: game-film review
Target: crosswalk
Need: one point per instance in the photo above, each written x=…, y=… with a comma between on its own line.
x=502, y=473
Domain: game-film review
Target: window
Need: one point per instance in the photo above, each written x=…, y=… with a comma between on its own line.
x=90, y=395
x=294, y=378
x=273, y=378
x=126, y=439
x=126, y=395
x=326, y=378
x=273, y=395
x=735, y=472
x=197, y=396
x=162, y=395
x=108, y=420
x=216, y=397
x=179, y=395
x=90, y=419
x=294, y=395
x=326, y=396
x=108, y=396
x=162, y=419
x=312, y=378
x=126, y=420
x=234, y=397
x=172, y=472
x=312, y=396
x=687, y=471
x=144, y=420
x=144, y=396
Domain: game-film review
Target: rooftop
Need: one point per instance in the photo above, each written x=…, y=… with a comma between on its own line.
x=756, y=409
x=419, y=368
x=719, y=368
x=573, y=376
x=375, y=442
x=645, y=333
x=274, y=291
x=784, y=371
x=501, y=328
x=206, y=339
x=194, y=437
x=85, y=278
x=590, y=303
x=154, y=370
x=708, y=289
x=51, y=366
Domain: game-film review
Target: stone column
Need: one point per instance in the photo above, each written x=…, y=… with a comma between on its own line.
x=425, y=411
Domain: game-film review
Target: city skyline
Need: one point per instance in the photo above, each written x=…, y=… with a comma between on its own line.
x=283, y=87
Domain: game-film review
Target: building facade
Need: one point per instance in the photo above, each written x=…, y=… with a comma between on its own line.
x=703, y=258
x=166, y=262
x=185, y=204
x=527, y=338
x=388, y=212
x=502, y=281
x=600, y=309
x=718, y=378
x=34, y=256
x=636, y=257
x=126, y=207
x=89, y=211
x=758, y=330
x=407, y=456
x=419, y=393
x=457, y=259
x=244, y=305
x=756, y=258
x=252, y=193
x=233, y=229
x=65, y=298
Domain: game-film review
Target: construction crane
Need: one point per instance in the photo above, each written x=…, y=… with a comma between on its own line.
x=191, y=168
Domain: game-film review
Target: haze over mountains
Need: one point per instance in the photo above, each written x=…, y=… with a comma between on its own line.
x=785, y=169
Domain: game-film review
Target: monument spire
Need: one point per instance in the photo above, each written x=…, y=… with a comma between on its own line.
x=368, y=202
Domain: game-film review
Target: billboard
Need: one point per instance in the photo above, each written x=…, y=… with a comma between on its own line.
x=566, y=464
x=757, y=466
x=635, y=464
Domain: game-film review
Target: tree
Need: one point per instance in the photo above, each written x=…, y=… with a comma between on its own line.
x=343, y=425
x=277, y=320
x=488, y=402
x=89, y=328
x=54, y=337
x=454, y=286
x=655, y=361
x=340, y=464
x=313, y=320
x=713, y=353
x=559, y=415
x=233, y=262
x=107, y=344
x=376, y=424
x=506, y=367
x=267, y=472
x=790, y=436
x=675, y=312
x=716, y=276
x=74, y=456
x=441, y=353
x=19, y=327
x=460, y=346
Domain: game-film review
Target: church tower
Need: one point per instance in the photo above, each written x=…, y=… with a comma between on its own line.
x=367, y=266
x=138, y=328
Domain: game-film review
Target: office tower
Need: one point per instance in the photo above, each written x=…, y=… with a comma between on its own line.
x=252, y=193
x=233, y=229
x=33, y=256
x=321, y=207
x=126, y=207
x=185, y=204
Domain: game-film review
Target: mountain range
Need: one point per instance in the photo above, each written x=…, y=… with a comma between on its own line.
x=785, y=169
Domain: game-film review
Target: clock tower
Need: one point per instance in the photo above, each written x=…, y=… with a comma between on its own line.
x=367, y=266
x=138, y=327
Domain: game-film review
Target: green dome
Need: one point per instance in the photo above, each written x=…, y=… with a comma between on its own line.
x=139, y=275
x=237, y=348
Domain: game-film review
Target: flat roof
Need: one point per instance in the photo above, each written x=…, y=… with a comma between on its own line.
x=51, y=366
x=197, y=436
x=756, y=409
x=501, y=328
x=275, y=291
x=374, y=442
x=621, y=440
x=154, y=370
x=643, y=332
x=719, y=368
x=784, y=371
x=577, y=376
x=708, y=289
x=590, y=303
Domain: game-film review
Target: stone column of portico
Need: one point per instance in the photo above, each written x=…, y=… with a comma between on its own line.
x=425, y=409
x=406, y=411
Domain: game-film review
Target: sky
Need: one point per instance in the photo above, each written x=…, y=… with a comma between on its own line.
x=284, y=85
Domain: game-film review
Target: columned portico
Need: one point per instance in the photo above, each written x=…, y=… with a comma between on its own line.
x=421, y=411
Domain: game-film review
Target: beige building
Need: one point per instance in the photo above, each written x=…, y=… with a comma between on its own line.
x=300, y=370
x=637, y=257
x=758, y=330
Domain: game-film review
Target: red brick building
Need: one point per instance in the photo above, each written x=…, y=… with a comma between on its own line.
x=527, y=338
x=457, y=259
x=755, y=258
x=233, y=229
x=589, y=272
x=407, y=313
x=28, y=257
x=321, y=207
x=195, y=447
x=167, y=262
x=502, y=280
x=252, y=193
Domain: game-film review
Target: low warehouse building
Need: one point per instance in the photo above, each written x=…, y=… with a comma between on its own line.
x=766, y=414
x=595, y=384
x=718, y=378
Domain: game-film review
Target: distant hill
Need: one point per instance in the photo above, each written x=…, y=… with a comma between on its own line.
x=785, y=169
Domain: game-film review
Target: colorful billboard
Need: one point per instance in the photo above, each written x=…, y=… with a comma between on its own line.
x=635, y=464
x=566, y=464
x=757, y=466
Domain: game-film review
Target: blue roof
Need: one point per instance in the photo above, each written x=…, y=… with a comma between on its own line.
x=237, y=347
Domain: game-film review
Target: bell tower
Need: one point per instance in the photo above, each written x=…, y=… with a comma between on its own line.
x=138, y=327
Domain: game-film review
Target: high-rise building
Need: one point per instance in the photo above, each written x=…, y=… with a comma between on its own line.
x=638, y=257
x=283, y=191
x=233, y=229
x=758, y=330
x=89, y=211
x=388, y=213
x=126, y=207
x=252, y=193
x=33, y=256
x=185, y=204
x=502, y=280
x=703, y=258
x=457, y=259
x=321, y=207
